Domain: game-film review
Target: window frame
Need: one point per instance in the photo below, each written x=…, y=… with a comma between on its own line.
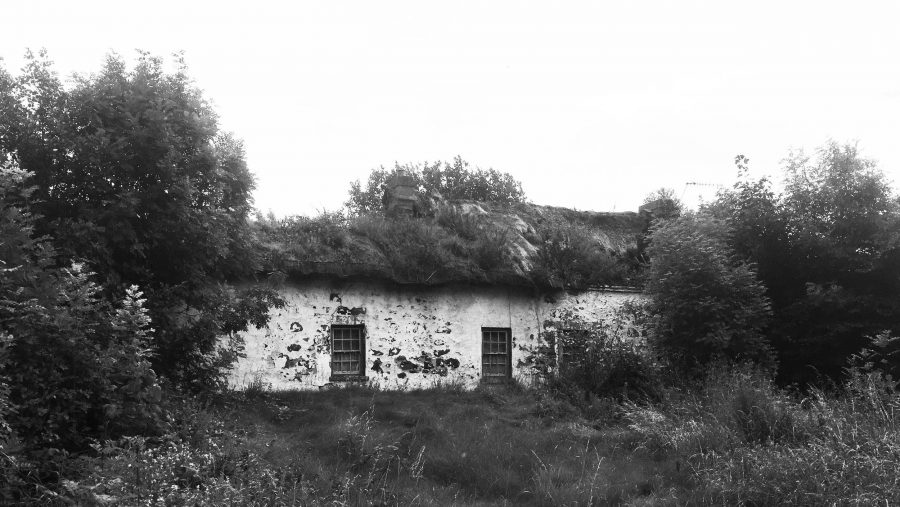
x=345, y=375
x=494, y=378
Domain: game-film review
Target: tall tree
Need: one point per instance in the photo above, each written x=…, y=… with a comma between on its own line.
x=844, y=226
x=827, y=252
x=133, y=176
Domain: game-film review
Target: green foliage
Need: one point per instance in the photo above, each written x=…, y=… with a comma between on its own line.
x=731, y=406
x=412, y=248
x=882, y=356
x=585, y=360
x=733, y=438
x=364, y=447
x=759, y=233
x=569, y=256
x=839, y=204
x=706, y=302
x=828, y=252
x=326, y=236
x=485, y=243
x=462, y=242
x=467, y=226
x=77, y=367
x=748, y=442
x=5, y=407
x=132, y=176
x=453, y=181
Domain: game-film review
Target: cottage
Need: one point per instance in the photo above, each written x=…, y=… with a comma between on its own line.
x=462, y=293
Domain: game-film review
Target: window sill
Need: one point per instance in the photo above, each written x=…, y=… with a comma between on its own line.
x=348, y=377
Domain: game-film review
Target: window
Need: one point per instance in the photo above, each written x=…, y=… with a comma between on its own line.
x=572, y=347
x=348, y=344
x=496, y=364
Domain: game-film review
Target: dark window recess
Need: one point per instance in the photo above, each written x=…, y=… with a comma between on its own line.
x=348, y=344
x=572, y=347
x=496, y=363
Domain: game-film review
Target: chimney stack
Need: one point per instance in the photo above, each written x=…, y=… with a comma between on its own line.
x=400, y=195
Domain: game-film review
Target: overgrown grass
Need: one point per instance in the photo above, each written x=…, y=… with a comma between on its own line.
x=751, y=443
x=360, y=447
x=734, y=439
x=452, y=244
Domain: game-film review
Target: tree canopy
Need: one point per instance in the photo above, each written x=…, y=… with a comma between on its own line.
x=133, y=177
x=453, y=181
x=827, y=252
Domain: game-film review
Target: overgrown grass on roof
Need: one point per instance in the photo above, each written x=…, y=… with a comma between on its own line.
x=523, y=245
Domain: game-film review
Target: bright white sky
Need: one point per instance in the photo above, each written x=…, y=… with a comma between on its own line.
x=592, y=105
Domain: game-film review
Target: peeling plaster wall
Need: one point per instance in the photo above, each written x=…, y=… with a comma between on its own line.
x=415, y=336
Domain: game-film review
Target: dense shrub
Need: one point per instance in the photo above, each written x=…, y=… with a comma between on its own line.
x=586, y=361
x=826, y=250
x=706, y=302
x=606, y=366
x=77, y=367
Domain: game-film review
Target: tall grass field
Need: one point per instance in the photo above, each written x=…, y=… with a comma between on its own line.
x=734, y=439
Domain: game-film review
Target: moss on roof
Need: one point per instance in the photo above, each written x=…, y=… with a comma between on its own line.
x=461, y=241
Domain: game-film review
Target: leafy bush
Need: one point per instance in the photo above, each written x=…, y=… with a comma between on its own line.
x=706, y=302
x=881, y=356
x=601, y=365
x=590, y=361
x=77, y=367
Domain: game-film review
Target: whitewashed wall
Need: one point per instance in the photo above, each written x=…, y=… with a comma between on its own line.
x=415, y=336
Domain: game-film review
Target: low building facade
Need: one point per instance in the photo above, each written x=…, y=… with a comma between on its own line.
x=394, y=336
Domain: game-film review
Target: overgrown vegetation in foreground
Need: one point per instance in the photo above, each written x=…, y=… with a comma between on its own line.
x=733, y=439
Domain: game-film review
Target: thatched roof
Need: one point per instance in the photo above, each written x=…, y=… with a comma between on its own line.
x=473, y=242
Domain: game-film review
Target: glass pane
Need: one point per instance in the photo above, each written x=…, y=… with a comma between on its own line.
x=346, y=349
